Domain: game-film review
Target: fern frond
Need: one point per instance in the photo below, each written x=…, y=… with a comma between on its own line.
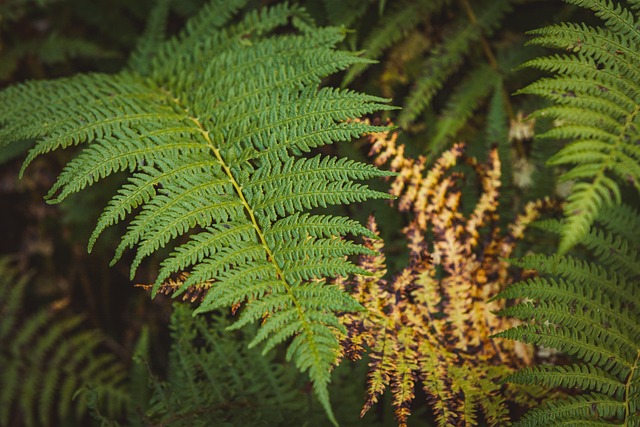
x=466, y=98
x=615, y=16
x=340, y=12
x=585, y=377
x=46, y=358
x=584, y=410
x=623, y=221
x=429, y=325
x=596, y=347
x=451, y=53
x=205, y=386
x=395, y=24
x=617, y=252
x=152, y=38
x=213, y=126
x=597, y=99
x=592, y=314
x=54, y=49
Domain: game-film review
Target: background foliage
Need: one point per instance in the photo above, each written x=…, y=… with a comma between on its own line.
x=80, y=345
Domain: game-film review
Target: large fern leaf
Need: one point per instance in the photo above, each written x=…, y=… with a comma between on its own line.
x=213, y=127
x=596, y=97
x=589, y=311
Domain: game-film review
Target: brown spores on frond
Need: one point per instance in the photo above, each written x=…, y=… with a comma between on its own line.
x=431, y=324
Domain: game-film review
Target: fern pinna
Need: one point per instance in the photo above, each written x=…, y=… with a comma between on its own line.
x=431, y=323
x=213, y=127
x=596, y=104
x=589, y=310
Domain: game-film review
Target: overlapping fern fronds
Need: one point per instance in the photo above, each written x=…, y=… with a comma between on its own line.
x=588, y=310
x=447, y=57
x=398, y=21
x=214, y=379
x=596, y=104
x=46, y=357
x=423, y=61
x=430, y=325
x=212, y=126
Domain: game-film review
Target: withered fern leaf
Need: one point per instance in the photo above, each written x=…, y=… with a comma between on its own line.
x=429, y=326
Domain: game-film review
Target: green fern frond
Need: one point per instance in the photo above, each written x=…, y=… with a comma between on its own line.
x=617, y=252
x=585, y=377
x=213, y=126
x=345, y=12
x=622, y=221
x=152, y=38
x=395, y=24
x=54, y=49
x=46, y=358
x=589, y=312
x=449, y=55
x=465, y=99
x=573, y=271
x=206, y=387
x=583, y=410
x=597, y=105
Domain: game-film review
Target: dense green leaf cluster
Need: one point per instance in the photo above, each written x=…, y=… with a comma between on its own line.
x=214, y=379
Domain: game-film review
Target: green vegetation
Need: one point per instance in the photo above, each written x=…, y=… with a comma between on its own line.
x=230, y=153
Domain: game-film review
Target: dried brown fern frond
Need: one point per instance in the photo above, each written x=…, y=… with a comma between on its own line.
x=172, y=287
x=430, y=325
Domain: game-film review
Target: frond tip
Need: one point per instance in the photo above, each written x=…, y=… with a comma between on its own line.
x=212, y=125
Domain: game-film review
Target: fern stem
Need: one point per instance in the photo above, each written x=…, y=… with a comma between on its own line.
x=263, y=241
x=493, y=63
x=485, y=45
